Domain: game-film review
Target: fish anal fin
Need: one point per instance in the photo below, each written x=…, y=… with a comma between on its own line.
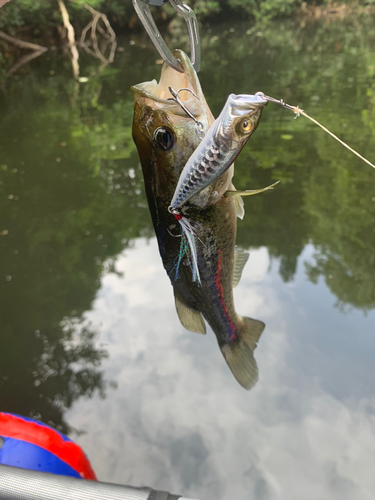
x=250, y=192
x=240, y=259
x=239, y=354
x=190, y=319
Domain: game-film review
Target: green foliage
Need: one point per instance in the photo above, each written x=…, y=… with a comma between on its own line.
x=341, y=204
x=265, y=9
x=42, y=14
x=203, y=8
x=16, y=14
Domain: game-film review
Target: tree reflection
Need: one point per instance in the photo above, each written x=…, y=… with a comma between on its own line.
x=41, y=375
x=341, y=203
x=70, y=202
x=72, y=196
x=326, y=196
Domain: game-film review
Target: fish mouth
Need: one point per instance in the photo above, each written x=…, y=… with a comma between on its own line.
x=157, y=94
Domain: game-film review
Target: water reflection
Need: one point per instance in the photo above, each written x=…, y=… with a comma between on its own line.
x=66, y=211
x=180, y=420
x=308, y=423
x=43, y=374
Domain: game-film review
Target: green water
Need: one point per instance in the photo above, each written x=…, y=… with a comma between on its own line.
x=72, y=201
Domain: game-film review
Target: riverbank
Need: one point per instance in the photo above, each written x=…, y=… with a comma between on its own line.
x=38, y=21
x=334, y=10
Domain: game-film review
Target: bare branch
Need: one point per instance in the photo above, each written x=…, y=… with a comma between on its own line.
x=107, y=32
x=21, y=43
x=25, y=59
x=71, y=38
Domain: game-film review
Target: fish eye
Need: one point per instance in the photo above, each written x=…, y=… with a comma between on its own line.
x=165, y=138
x=247, y=126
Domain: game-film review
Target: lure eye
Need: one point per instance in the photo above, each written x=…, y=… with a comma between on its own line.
x=165, y=138
x=247, y=126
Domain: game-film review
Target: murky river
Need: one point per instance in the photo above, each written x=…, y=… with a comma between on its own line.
x=90, y=339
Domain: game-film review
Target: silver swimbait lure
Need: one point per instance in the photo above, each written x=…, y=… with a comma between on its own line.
x=219, y=148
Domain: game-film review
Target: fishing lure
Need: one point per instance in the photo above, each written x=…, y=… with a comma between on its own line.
x=219, y=147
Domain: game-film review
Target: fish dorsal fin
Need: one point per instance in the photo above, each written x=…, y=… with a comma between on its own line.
x=240, y=259
x=190, y=319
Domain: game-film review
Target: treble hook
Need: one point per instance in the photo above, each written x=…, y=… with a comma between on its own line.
x=199, y=127
x=142, y=7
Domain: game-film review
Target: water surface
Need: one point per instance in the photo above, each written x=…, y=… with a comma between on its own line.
x=90, y=340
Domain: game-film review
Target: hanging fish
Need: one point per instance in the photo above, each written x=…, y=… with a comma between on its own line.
x=166, y=138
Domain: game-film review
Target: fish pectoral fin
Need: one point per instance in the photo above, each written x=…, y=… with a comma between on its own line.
x=240, y=259
x=250, y=192
x=238, y=203
x=239, y=354
x=190, y=319
x=239, y=207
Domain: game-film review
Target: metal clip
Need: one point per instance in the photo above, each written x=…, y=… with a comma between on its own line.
x=143, y=10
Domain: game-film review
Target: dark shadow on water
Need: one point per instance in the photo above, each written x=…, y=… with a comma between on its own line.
x=70, y=202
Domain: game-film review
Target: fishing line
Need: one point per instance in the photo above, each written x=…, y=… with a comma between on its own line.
x=298, y=111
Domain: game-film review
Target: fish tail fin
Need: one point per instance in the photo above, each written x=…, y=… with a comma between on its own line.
x=239, y=353
x=189, y=232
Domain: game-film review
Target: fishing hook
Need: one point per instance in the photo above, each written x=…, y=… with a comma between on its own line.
x=199, y=127
x=142, y=8
x=174, y=235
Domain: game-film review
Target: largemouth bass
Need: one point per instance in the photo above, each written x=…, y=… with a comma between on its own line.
x=165, y=138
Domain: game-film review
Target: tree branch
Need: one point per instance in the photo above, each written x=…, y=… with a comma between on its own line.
x=25, y=59
x=71, y=37
x=21, y=43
